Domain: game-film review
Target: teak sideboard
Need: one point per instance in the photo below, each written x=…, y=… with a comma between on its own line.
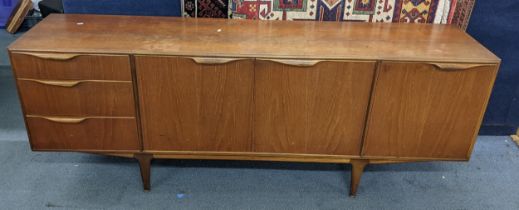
x=162, y=87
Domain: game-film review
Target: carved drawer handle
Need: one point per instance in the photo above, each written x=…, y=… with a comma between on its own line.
x=201, y=60
x=53, y=56
x=59, y=83
x=75, y=120
x=457, y=66
x=69, y=83
x=68, y=120
x=303, y=63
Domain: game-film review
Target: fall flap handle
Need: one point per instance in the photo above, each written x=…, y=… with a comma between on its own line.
x=68, y=120
x=202, y=60
x=292, y=62
x=60, y=83
x=457, y=66
x=53, y=56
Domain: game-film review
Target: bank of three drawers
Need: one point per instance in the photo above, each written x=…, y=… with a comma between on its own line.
x=65, y=97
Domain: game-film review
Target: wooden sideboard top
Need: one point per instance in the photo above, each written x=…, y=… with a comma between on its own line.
x=248, y=38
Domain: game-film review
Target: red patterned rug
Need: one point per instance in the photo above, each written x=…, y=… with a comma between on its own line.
x=407, y=11
x=462, y=12
x=206, y=8
x=411, y=11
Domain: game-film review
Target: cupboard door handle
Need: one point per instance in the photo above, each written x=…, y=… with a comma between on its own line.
x=457, y=66
x=59, y=83
x=302, y=63
x=67, y=120
x=53, y=56
x=201, y=60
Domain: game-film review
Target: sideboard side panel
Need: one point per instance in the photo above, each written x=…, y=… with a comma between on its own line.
x=419, y=110
x=191, y=106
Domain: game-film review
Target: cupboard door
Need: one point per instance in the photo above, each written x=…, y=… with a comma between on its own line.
x=422, y=110
x=311, y=107
x=195, y=104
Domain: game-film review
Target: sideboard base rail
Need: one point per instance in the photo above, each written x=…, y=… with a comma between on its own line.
x=357, y=164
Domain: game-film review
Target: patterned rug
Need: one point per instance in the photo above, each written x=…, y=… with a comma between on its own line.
x=411, y=11
x=407, y=11
x=206, y=8
x=462, y=12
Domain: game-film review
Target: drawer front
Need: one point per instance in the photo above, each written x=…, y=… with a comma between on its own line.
x=422, y=110
x=60, y=133
x=71, y=66
x=195, y=104
x=311, y=107
x=77, y=98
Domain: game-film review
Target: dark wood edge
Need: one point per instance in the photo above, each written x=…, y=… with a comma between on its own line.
x=136, y=100
x=369, y=107
x=252, y=109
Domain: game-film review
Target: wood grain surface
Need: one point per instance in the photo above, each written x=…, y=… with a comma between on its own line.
x=253, y=39
x=420, y=111
x=87, y=98
x=83, y=67
x=186, y=105
x=316, y=109
x=263, y=86
x=88, y=134
x=18, y=15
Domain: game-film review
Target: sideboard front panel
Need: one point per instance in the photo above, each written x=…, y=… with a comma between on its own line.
x=311, y=107
x=427, y=110
x=195, y=104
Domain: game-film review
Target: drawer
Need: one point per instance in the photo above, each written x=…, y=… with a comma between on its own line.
x=71, y=66
x=77, y=98
x=95, y=133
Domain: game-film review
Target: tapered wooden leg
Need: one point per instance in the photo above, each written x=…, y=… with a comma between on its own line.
x=357, y=168
x=145, y=164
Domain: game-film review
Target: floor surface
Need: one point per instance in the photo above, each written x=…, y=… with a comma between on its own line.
x=5, y=40
x=39, y=180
